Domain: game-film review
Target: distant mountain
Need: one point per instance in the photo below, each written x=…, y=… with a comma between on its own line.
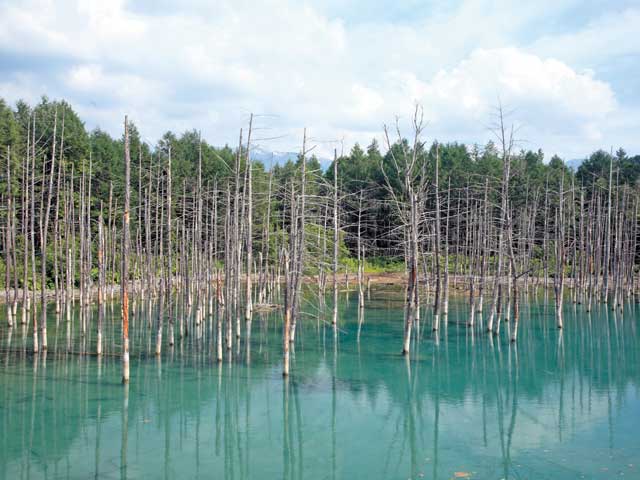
x=267, y=157
x=280, y=158
x=575, y=163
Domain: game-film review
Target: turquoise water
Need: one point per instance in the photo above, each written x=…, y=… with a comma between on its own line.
x=558, y=405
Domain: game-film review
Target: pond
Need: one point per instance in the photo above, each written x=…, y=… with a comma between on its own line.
x=557, y=405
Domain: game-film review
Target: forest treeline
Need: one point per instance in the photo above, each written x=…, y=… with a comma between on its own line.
x=97, y=158
x=84, y=211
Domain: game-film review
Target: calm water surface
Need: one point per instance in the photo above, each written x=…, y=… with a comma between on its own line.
x=558, y=405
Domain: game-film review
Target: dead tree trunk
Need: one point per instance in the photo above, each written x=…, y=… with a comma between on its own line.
x=407, y=167
x=125, y=256
x=607, y=239
x=336, y=239
x=436, y=299
x=33, y=233
x=360, y=255
x=44, y=228
x=9, y=234
x=300, y=242
x=559, y=276
x=169, y=269
x=286, y=327
x=507, y=145
x=25, y=215
x=249, y=231
x=101, y=282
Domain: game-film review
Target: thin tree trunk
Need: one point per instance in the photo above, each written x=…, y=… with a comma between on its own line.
x=437, y=300
x=9, y=233
x=169, y=269
x=559, y=276
x=125, y=256
x=336, y=226
x=101, y=282
x=249, y=231
x=44, y=228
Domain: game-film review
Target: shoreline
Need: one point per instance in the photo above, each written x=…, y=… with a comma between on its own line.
x=456, y=284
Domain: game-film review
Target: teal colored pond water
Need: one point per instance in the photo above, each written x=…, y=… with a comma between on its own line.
x=558, y=405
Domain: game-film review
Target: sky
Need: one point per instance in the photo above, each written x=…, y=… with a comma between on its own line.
x=567, y=72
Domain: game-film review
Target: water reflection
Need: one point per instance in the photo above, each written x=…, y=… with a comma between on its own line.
x=556, y=403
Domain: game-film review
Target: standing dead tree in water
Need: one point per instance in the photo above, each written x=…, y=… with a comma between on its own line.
x=436, y=244
x=607, y=239
x=32, y=221
x=445, y=280
x=44, y=228
x=264, y=254
x=289, y=280
x=25, y=216
x=336, y=229
x=164, y=294
x=293, y=256
x=169, y=267
x=286, y=324
x=249, y=230
x=360, y=254
x=8, y=250
x=236, y=251
x=298, y=238
x=101, y=282
x=407, y=185
x=125, y=256
x=558, y=280
x=507, y=141
x=503, y=226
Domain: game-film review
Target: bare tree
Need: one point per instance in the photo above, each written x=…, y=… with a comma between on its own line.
x=407, y=168
x=125, y=256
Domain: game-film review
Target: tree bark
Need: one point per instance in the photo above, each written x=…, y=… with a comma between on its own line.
x=125, y=256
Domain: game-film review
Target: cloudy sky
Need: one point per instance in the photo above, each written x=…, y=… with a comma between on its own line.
x=568, y=70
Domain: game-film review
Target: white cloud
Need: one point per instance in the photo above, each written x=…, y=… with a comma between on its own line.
x=613, y=34
x=550, y=98
x=207, y=65
x=520, y=79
